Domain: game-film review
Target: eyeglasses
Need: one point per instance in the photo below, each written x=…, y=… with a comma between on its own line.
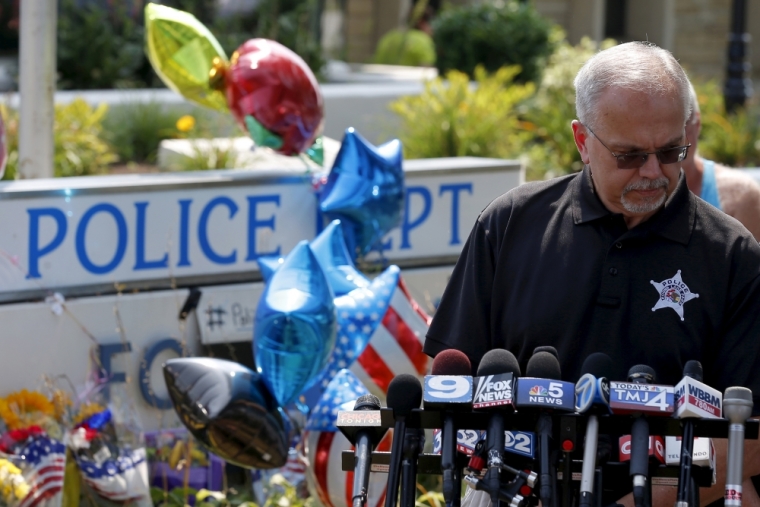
x=636, y=160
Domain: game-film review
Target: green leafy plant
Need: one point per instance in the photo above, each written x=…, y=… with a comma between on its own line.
x=551, y=150
x=510, y=33
x=451, y=118
x=406, y=47
x=731, y=139
x=79, y=148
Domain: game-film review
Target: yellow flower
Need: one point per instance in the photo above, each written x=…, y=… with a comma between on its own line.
x=21, y=490
x=61, y=401
x=24, y=408
x=186, y=123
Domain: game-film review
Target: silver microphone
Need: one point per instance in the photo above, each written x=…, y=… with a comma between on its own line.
x=737, y=408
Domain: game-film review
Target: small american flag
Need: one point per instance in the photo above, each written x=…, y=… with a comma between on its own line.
x=381, y=329
x=43, y=469
x=123, y=478
x=324, y=444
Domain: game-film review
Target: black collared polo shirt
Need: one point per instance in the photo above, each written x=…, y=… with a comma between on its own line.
x=547, y=264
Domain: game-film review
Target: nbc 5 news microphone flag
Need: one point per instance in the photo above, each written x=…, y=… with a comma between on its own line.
x=381, y=336
x=324, y=444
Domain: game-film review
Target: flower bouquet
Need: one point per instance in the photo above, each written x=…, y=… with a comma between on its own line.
x=33, y=465
x=110, y=454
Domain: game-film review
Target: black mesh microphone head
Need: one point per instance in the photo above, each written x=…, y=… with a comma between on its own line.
x=367, y=402
x=546, y=348
x=452, y=362
x=404, y=394
x=599, y=365
x=498, y=361
x=543, y=365
x=642, y=374
x=693, y=369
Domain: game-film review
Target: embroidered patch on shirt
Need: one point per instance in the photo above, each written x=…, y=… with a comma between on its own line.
x=673, y=294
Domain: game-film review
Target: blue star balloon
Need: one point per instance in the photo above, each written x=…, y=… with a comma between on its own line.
x=365, y=189
x=343, y=389
x=294, y=328
x=330, y=249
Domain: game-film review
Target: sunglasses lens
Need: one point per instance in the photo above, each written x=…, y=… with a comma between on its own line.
x=672, y=155
x=631, y=160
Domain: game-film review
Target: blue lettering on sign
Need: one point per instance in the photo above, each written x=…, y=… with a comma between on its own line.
x=121, y=241
x=203, y=230
x=184, y=232
x=35, y=252
x=141, y=262
x=105, y=351
x=145, y=366
x=255, y=223
x=455, y=189
x=410, y=224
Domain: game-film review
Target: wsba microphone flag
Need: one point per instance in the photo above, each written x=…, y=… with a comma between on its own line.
x=381, y=330
x=324, y=444
x=43, y=470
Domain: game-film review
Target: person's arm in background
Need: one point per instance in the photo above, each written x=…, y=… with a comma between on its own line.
x=739, y=197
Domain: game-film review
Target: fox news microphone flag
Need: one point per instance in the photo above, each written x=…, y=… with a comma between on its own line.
x=381, y=329
x=43, y=470
x=323, y=445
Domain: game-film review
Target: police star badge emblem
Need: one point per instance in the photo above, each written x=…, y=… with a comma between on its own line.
x=673, y=294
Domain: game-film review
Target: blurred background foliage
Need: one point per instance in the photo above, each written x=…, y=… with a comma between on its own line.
x=406, y=47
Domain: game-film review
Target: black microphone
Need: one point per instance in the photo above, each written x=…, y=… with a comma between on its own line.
x=449, y=389
x=493, y=392
x=414, y=442
x=365, y=439
x=689, y=406
x=592, y=396
x=404, y=395
x=541, y=389
x=639, y=465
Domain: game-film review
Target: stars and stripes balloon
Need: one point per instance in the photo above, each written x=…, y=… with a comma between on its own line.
x=323, y=445
x=121, y=478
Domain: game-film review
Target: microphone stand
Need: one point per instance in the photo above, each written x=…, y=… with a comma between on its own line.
x=414, y=441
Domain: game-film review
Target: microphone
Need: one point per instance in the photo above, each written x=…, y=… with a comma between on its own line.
x=656, y=449
x=449, y=389
x=414, y=442
x=638, y=397
x=404, y=395
x=593, y=396
x=493, y=392
x=737, y=407
x=693, y=399
x=542, y=390
x=365, y=439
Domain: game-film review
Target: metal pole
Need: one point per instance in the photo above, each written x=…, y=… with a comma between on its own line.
x=37, y=36
x=738, y=87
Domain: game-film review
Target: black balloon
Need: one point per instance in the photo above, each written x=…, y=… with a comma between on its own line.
x=227, y=407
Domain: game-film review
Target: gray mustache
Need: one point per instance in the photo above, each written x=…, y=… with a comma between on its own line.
x=647, y=184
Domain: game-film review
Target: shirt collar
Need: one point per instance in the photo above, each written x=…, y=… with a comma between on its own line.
x=675, y=221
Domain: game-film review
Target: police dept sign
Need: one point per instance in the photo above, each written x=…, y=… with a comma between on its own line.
x=88, y=234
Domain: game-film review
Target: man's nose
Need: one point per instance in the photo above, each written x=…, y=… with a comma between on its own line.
x=651, y=168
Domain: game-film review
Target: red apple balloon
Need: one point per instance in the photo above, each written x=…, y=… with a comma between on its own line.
x=274, y=85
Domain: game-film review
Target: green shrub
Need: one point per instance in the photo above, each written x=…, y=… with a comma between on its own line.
x=492, y=36
x=731, y=139
x=79, y=147
x=551, y=150
x=406, y=47
x=454, y=119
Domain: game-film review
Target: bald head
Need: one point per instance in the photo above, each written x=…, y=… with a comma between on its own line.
x=638, y=66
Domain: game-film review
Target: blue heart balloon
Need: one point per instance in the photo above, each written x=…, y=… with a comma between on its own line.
x=330, y=249
x=295, y=325
x=365, y=189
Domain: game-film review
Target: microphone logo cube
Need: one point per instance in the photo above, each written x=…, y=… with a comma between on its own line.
x=651, y=399
x=522, y=443
x=493, y=390
x=695, y=399
x=656, y=449
x=447, y=391
x=539, y=392
x=362, y=418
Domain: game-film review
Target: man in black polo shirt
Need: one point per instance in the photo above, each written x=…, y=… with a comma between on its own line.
x=620, y=258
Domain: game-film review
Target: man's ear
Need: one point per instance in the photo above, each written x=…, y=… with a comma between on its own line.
x=580, y=136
